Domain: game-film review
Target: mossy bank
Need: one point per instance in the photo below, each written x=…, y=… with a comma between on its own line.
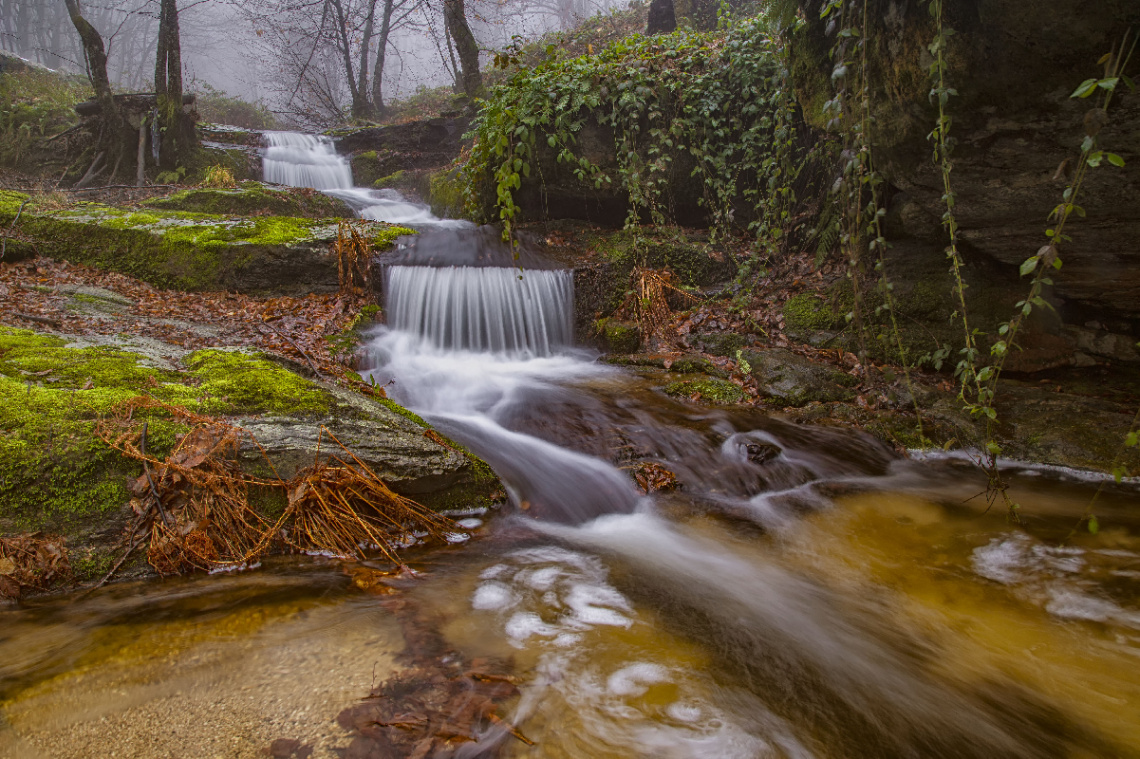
x=186, y=250
x=57, y=475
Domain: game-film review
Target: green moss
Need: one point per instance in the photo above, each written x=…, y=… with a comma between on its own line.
x=446, y=194
x=391, y=180
x=254, y=198
x=53, y=469
x=366, y=168
x=391, y=405
x=711, y=390
x=388, y=237
x=807, y=311
x=618, y=336
x=234, y=382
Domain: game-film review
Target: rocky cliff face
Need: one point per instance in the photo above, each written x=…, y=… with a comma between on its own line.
x=1015, y=65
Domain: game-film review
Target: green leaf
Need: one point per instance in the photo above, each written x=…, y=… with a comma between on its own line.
x=1108, y=84
x=1114, y=159
x=1094, y=525
x=1028, y=265
x=1087, y=87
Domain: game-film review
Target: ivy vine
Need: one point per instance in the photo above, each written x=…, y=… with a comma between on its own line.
x=722, y=99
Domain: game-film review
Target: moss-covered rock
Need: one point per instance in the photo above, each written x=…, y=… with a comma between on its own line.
x=190, y=251
x=685, y=252
x=57, y=474
x=445, y=194
x=708, y=390
x=391, y=181
x=718, y=343
x=811, y=311
x=255, y=199
x=793, y=380
x=618, y=336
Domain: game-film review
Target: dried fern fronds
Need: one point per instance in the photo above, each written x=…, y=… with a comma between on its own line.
x=647, y=305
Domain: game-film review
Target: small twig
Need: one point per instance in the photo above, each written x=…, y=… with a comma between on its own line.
x=38, y=319
x=133, y=540
x=4, y=244
x=146, y=471
x=297, y=348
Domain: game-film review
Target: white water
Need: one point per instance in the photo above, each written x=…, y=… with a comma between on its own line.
x=483, y=309
x=309, y=160
x=304, y=160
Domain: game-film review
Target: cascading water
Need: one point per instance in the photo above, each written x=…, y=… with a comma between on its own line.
x=483, y=309
x=304, y=160
x=309, y=160
x=777, y=605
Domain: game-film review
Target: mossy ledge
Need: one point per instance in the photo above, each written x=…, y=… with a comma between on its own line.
x=255, y=199
x=186, y=250
x=57, y=475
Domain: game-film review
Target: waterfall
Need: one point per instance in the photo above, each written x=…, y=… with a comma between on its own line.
x=305, y=160
x=482, y=308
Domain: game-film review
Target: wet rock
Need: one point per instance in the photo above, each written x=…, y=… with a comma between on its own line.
x=793, y=380
x=406, y=453
x=618, y=336
x=761, y=453
x=1098, y=342
x=718, y=343
x=283, y=748
x=1017, y=133
x=382, y=151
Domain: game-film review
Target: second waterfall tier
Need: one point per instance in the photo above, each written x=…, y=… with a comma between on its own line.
x=494, y=310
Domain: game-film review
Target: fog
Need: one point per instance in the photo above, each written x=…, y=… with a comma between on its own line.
x=292, y=56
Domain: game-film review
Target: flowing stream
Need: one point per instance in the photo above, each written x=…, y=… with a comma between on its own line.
x=306, y=160
x=805, y=593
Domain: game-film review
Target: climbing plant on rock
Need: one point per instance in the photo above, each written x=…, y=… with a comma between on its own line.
x=720, y=99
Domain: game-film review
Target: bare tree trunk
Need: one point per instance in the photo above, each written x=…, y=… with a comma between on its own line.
x=465, y=45
x=381, y=51
x=168, y=86
x=343, y=44
x=95, y=55
x=362, y=107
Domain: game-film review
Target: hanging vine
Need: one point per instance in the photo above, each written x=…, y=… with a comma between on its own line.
x=718, y=99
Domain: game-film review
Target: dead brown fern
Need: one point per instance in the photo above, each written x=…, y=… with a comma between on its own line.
x=353, y=258
x=196, y=501
x=647, y=304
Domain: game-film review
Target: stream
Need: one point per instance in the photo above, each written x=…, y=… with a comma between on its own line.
x=806, y=592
